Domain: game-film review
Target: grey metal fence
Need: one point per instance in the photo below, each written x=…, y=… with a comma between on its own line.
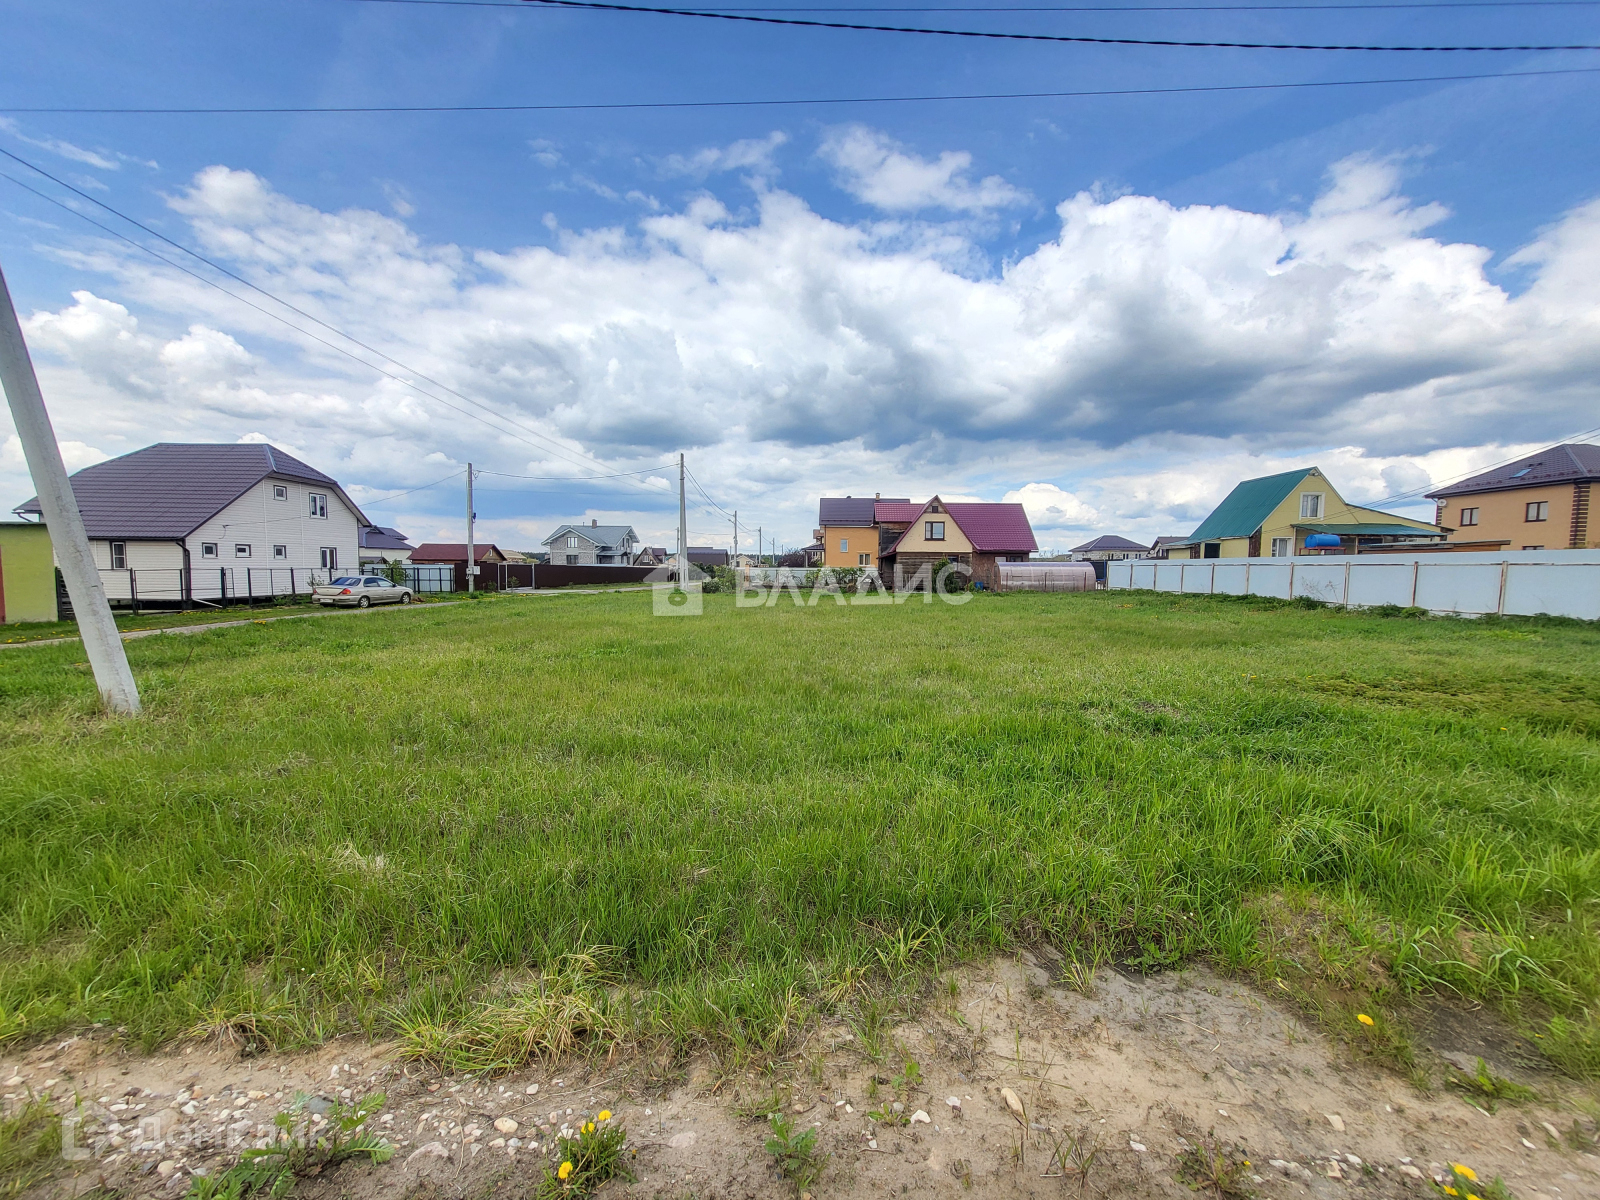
x=208, y=587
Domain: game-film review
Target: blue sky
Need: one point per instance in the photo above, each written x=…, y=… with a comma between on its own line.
x=1110, y=308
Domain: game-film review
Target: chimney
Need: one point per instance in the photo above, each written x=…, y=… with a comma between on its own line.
x=594, y=522
x=877, y=495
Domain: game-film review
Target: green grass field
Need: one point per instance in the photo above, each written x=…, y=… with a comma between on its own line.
x=379, y=823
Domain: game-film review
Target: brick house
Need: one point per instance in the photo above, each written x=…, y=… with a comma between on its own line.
x=1540, y=502
x=979, y=535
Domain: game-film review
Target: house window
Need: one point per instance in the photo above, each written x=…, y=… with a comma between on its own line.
x=319, y=505
x=119, y=556
x=280, y=553
x=863, y=560
x=1311, y=504
x=279, y=492
x=1281, y=547
x=572, y=542
x=208, y=549
x=1533, y=547
x=1469, y=516
x=329, y=558
x=572, y=560
x=1538, y=510
x=934, y=531
x=241, y=549
x=934, y=508
x=844, y=545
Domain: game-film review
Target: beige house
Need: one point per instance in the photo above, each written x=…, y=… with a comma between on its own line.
x=1274, y=515
x=1540, y=502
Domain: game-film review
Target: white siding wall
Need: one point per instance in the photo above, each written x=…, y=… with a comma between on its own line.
x=260, y=522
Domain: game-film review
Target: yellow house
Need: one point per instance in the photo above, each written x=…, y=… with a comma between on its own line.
x=27, y=573
x=1274, y=515
x=849, y=528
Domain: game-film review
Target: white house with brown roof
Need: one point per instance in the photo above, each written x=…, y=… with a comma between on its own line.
x=201, y=520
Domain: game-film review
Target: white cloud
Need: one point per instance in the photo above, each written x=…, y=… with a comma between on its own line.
x=1120, y=377
x=751, y=154
x=67, y=150
x=878, y=171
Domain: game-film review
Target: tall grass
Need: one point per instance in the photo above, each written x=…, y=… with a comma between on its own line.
x=393, y=823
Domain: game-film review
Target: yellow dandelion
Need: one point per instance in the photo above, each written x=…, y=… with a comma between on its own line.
x=1465, y=1171
x=589, y=1127
x=1473, y=1196
x=1450, y=1191
x=1364, y=1019
x=605, y=1114
x=564, y=1170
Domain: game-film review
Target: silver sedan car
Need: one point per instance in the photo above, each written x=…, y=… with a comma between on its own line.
x=361, y=591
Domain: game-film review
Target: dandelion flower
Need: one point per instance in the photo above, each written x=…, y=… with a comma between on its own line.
x=1364, y=1019
x=605, y=1114
x=1463, y=1170
x=1450, y=1191
x=588, y=1127
x=564, y=1170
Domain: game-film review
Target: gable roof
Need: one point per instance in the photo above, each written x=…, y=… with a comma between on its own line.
x=600, y=535
x=1573, y=462
x=432, y=552
x=853, y=510
x=991, y=528
x=1244, y=509
x=169, y=490
x=895, y=512
x=1168, y=541
x=1108, y=541
x=381, y=537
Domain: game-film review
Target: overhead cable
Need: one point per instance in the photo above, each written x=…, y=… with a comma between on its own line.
x=1076, y=39
x=356, y=109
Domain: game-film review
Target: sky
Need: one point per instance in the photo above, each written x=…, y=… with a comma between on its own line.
x=812, y=261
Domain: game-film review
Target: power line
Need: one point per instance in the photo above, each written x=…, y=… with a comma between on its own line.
x=355, y=109
x=1060, y=8
x=397, y=495
x=1454, y=479
x=572, y=479
x=713, y=15
x=708, y=499
x=550, y=445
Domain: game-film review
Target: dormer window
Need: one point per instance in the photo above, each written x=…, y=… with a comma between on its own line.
x=933, y=508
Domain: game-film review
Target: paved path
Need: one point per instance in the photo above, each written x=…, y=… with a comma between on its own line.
x=130, y=634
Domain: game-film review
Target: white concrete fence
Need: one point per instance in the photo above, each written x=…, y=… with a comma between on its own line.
x=1564, y=583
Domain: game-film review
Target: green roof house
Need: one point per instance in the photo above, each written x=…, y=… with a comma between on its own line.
x=1274, y=515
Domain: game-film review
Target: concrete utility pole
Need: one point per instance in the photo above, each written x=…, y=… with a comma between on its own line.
x=472, y=559
x=736, y=537
x=760, y=547
x=683, y=530
x=101, y=641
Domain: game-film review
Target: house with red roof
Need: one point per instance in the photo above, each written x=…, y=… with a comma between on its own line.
x=976, y=534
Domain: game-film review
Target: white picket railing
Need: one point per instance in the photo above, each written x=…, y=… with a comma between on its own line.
x=1564, y=583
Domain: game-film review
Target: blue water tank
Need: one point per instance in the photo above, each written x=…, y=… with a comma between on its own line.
x=1322, y=541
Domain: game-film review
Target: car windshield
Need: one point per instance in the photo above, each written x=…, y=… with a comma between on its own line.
x=345, y=581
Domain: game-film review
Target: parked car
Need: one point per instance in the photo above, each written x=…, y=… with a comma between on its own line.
x=361, y=591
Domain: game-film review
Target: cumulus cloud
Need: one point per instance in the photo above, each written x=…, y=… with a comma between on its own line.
x=878, y=171
x=1120, y=376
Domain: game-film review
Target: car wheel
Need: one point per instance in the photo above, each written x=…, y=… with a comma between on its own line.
x=363, y=602
x=405, y=597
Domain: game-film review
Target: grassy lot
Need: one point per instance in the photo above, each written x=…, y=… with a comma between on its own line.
x=387, y=823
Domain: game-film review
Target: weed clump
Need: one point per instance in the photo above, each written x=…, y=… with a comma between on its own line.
x=597, y=1154
x=796, y=1153
x=302, y=1149
x=1487, y=1089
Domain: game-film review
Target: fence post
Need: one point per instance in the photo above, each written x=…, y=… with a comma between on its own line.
x=1247, y=577
x=249, y=587
x=1416, y=569
x=133, y=590
x=1347, y=587
x=1290, y=596
x=222, y=585
x=1213, y=579
x=1500, y=605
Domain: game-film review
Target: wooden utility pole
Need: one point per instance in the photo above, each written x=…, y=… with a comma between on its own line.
x=68, y=537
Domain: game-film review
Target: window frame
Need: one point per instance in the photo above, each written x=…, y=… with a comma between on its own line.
x=928, y=534
x=863, y=560
x=319, y=505
x=119, y=556
x=210, y=550
x=572, y=541
x=329, y=556
x=1287, y=546
x=243, y=547
x=1321, y=508
x=280, y=492
x=280, y=551
x=1469, y=516
x=1541, y=507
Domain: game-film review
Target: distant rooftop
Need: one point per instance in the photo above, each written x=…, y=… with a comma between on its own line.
x=1573, y=462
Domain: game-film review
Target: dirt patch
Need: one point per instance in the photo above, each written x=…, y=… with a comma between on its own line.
x=1007, y=1085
